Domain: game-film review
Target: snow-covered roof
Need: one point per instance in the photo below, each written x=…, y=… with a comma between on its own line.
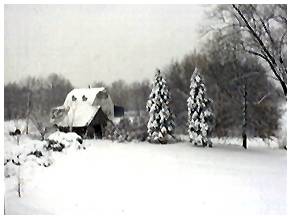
x=79, y=115
x=82, y=95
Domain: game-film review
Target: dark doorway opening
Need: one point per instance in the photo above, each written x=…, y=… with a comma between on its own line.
x=98, y=131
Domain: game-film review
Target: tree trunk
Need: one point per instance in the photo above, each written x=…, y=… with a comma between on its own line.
x=17, y=139
x=19, y=182
x=26, y=129
x=42, y=136
x=4, y=207
x=244, y=123
x=27, y=112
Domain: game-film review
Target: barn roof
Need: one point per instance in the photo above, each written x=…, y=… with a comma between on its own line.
x=88, y=94
x=79, y=115
x=79, y=107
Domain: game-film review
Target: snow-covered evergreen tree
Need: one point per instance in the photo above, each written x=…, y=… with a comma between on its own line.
x=161, y=125
x=200, y=116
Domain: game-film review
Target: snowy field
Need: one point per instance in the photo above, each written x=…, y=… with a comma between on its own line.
x=142, y=180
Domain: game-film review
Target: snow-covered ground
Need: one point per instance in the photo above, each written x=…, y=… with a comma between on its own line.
x=142, y=180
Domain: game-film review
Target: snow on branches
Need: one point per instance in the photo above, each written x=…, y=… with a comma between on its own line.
x=161, y=125
x=199, y=113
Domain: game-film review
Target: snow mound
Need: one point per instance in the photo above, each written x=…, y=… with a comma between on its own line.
x=60, y=140
x=19, y=152
x=32, y=152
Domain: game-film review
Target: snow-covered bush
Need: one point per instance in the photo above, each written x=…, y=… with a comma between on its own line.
x=200, y=116
x=127, y=130
x=133, y=130
x=139, y=128
x=124, y=128
x=58, y=141
x=10, y=169
x=161, y=124
x=33, y=152
x=111, y=132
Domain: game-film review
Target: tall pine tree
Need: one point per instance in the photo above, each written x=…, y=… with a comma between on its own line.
x=200, y=116
x=161, y=125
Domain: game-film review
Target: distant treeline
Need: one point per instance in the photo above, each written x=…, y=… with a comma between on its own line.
x=34, y=94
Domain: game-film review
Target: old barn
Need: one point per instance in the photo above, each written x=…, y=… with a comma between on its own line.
x=85, y=111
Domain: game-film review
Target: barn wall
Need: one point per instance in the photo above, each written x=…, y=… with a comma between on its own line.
x=100, y=118
x=98, y=123
x=106, y=104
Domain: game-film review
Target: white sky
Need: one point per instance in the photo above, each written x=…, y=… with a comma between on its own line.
x=87, y=43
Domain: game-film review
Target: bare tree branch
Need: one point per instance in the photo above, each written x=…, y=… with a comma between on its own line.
x=271, y=60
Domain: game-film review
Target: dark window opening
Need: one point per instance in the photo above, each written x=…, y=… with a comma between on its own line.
x=84, y=98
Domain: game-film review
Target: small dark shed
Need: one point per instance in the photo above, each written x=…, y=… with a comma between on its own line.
x=118, y=111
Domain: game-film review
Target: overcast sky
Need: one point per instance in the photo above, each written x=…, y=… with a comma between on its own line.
x=97, y=43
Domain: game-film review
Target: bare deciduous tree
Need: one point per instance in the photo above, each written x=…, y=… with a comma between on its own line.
x=263, y=33
x=267, y=28
x=40, y=121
